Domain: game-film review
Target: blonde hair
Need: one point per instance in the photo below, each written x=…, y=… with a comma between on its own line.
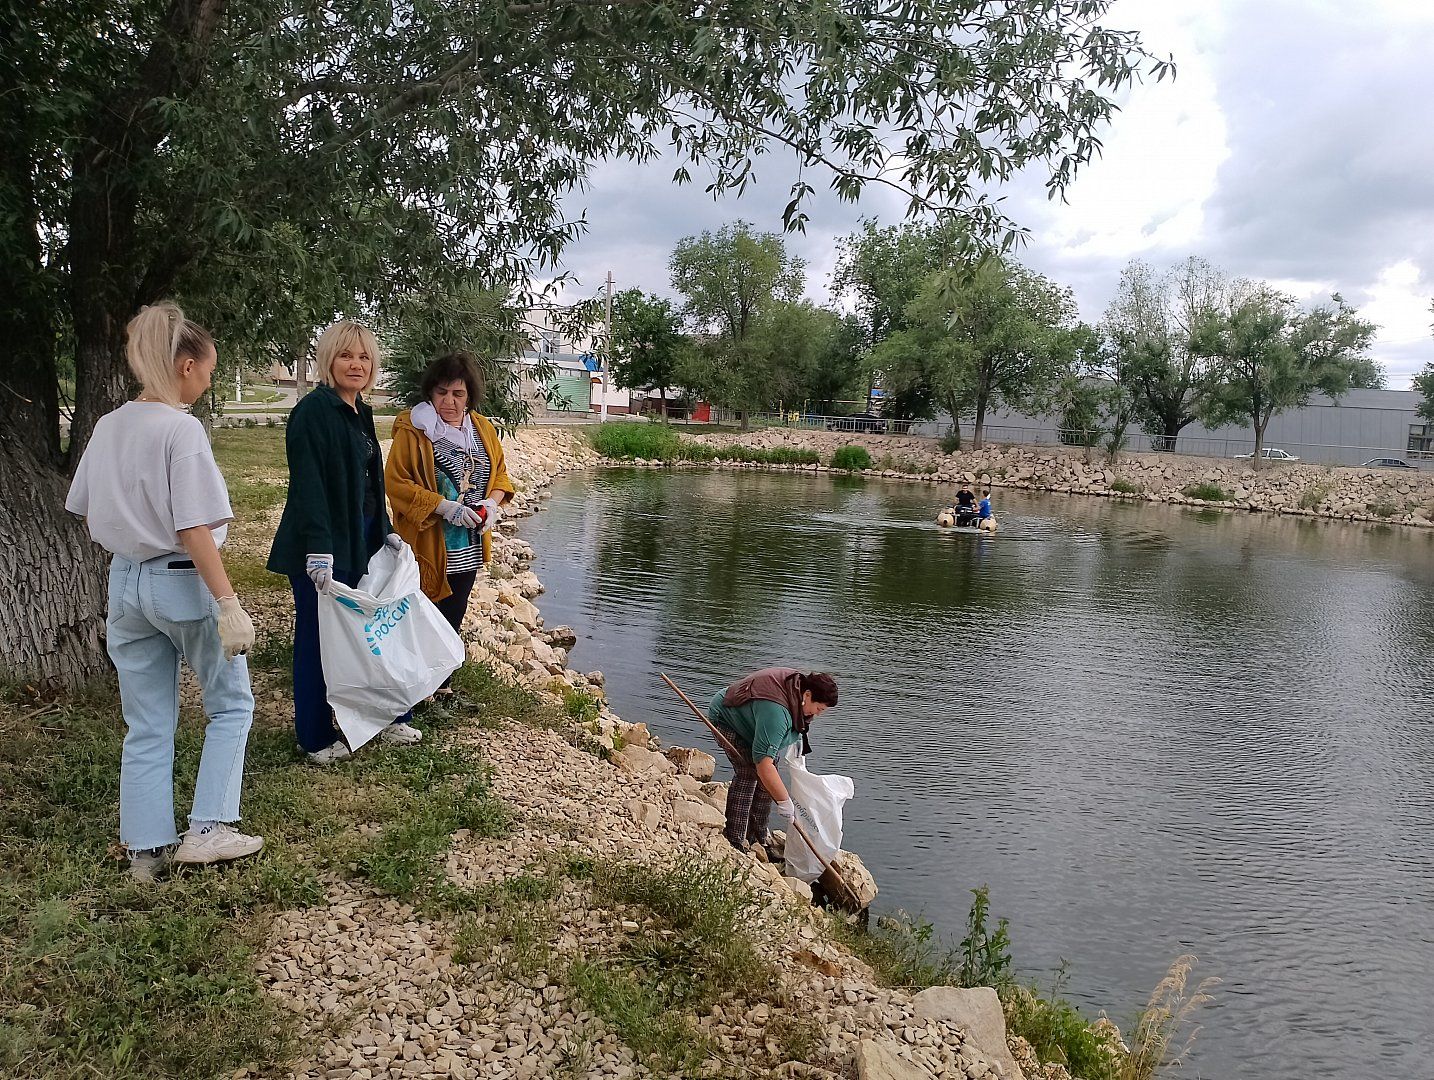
x=156, y=339
x=345, y=334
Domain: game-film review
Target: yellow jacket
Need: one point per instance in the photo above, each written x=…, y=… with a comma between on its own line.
x=411, y=481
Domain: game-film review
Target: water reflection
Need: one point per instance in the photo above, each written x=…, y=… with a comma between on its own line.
x=1149, y=729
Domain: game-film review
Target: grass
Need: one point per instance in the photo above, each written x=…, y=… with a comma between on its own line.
x=1206, y=491
x=1382, y=509
x=1124, y=487
x=625, y=441
x=691, y=949
x=851, y=458
x=102, y=976
x=1316, y=494
x=1165, y=1030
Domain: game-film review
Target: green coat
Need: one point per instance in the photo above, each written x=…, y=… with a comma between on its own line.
x=329, y=450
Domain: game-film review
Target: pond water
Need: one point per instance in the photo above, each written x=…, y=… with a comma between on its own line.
x=1150, y=730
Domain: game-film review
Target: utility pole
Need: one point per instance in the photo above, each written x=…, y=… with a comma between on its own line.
x=607, y=352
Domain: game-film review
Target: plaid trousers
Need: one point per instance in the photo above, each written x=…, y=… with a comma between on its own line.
x=748, y=804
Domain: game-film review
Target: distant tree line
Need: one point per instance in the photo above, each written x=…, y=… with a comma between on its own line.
x=943, y=326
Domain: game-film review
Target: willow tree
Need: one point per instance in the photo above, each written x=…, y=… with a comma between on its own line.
x=310, y=155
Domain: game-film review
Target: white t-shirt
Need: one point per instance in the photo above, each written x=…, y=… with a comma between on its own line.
x=147, y=473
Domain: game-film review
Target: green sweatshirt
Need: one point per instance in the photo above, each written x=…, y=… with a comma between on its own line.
x=330, y=447
x=764, y=726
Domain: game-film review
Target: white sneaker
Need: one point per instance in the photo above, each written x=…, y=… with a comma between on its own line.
x=330, y=754
x=219, y=843
x=401, y=734
x=148, y=866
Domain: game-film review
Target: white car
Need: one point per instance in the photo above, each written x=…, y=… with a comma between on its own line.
x=1269, y=453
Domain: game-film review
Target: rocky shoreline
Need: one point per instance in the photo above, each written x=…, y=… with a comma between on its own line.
x=380, y=989
x=1384, y=496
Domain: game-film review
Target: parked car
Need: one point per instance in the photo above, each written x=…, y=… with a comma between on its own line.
x=867, y=422
x=1269, y=453
x=1387, y=463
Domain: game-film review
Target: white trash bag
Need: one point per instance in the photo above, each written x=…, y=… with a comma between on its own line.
x=819, y=800
x=384, y=646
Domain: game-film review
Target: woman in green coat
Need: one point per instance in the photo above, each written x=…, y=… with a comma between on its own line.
x=335, y=519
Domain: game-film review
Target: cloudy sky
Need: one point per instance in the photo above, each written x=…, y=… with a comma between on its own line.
x=1293, y=147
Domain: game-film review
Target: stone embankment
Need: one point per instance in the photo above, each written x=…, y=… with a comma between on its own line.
x=1394, y=496
x=381, y=989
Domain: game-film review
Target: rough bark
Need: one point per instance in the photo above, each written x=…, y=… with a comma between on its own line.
x=52, y=577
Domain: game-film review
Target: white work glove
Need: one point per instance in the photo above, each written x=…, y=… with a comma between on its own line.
x=394, y=541
x=786, y=810
x=236, y=629
x=494, y=514
x=320, y=569
x=457, y=514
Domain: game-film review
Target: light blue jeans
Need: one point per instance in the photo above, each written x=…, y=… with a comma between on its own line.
x=159, y=613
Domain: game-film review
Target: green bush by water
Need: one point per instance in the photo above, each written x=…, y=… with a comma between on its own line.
x=851, y=458
x=626, y=440
x=1208, y=492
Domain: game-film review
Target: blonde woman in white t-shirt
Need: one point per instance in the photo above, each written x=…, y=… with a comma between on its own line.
x=151, y=494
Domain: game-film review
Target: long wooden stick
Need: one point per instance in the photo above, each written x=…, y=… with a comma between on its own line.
x=727, y=745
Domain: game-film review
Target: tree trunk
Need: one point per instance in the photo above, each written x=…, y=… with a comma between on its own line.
x=52, y=577
x=744, y=420
x=1169, y=433
x=978, y=430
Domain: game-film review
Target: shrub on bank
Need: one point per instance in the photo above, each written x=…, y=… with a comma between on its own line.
x=1208, y=492
x=625, y=440
x=1125, y=487
x=851, y=458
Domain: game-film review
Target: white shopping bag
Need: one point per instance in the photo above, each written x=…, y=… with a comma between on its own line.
x=819, y=800
x=384, y=646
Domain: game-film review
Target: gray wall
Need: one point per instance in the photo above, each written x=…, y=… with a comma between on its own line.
x=1363, y=424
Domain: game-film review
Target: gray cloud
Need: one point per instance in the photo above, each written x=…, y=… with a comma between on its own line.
x=1329, y=179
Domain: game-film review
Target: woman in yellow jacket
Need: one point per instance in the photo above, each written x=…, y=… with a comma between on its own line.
x=447, y=483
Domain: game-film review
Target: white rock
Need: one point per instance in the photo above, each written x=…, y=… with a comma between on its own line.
x=877, y=1059
x=687, y=812
x=977, y=1012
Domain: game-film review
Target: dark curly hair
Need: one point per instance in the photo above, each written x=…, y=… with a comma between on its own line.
x=822, y=686
x=450, y=366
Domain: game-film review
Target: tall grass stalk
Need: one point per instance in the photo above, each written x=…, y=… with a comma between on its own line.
x=1165, y=1032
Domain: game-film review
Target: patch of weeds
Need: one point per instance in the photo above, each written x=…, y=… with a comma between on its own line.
x=1312, y=496
x=707, y=906
x=580, y=706
x=1058, y=1032
x=442, y=790
x=950, y=443
x=1207, y=491
x=902, y=951
x=1382, y=509
x=274, y=654
x=1125, y=487
x=643, y=1015
x=851, y=458
x=985, y=954
x=484, y=692
x=1164, y=1032
x=625, y=440
x=798, y=1037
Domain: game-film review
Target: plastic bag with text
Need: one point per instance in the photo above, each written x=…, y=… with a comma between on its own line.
x=819, y=801
x=384, y=646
